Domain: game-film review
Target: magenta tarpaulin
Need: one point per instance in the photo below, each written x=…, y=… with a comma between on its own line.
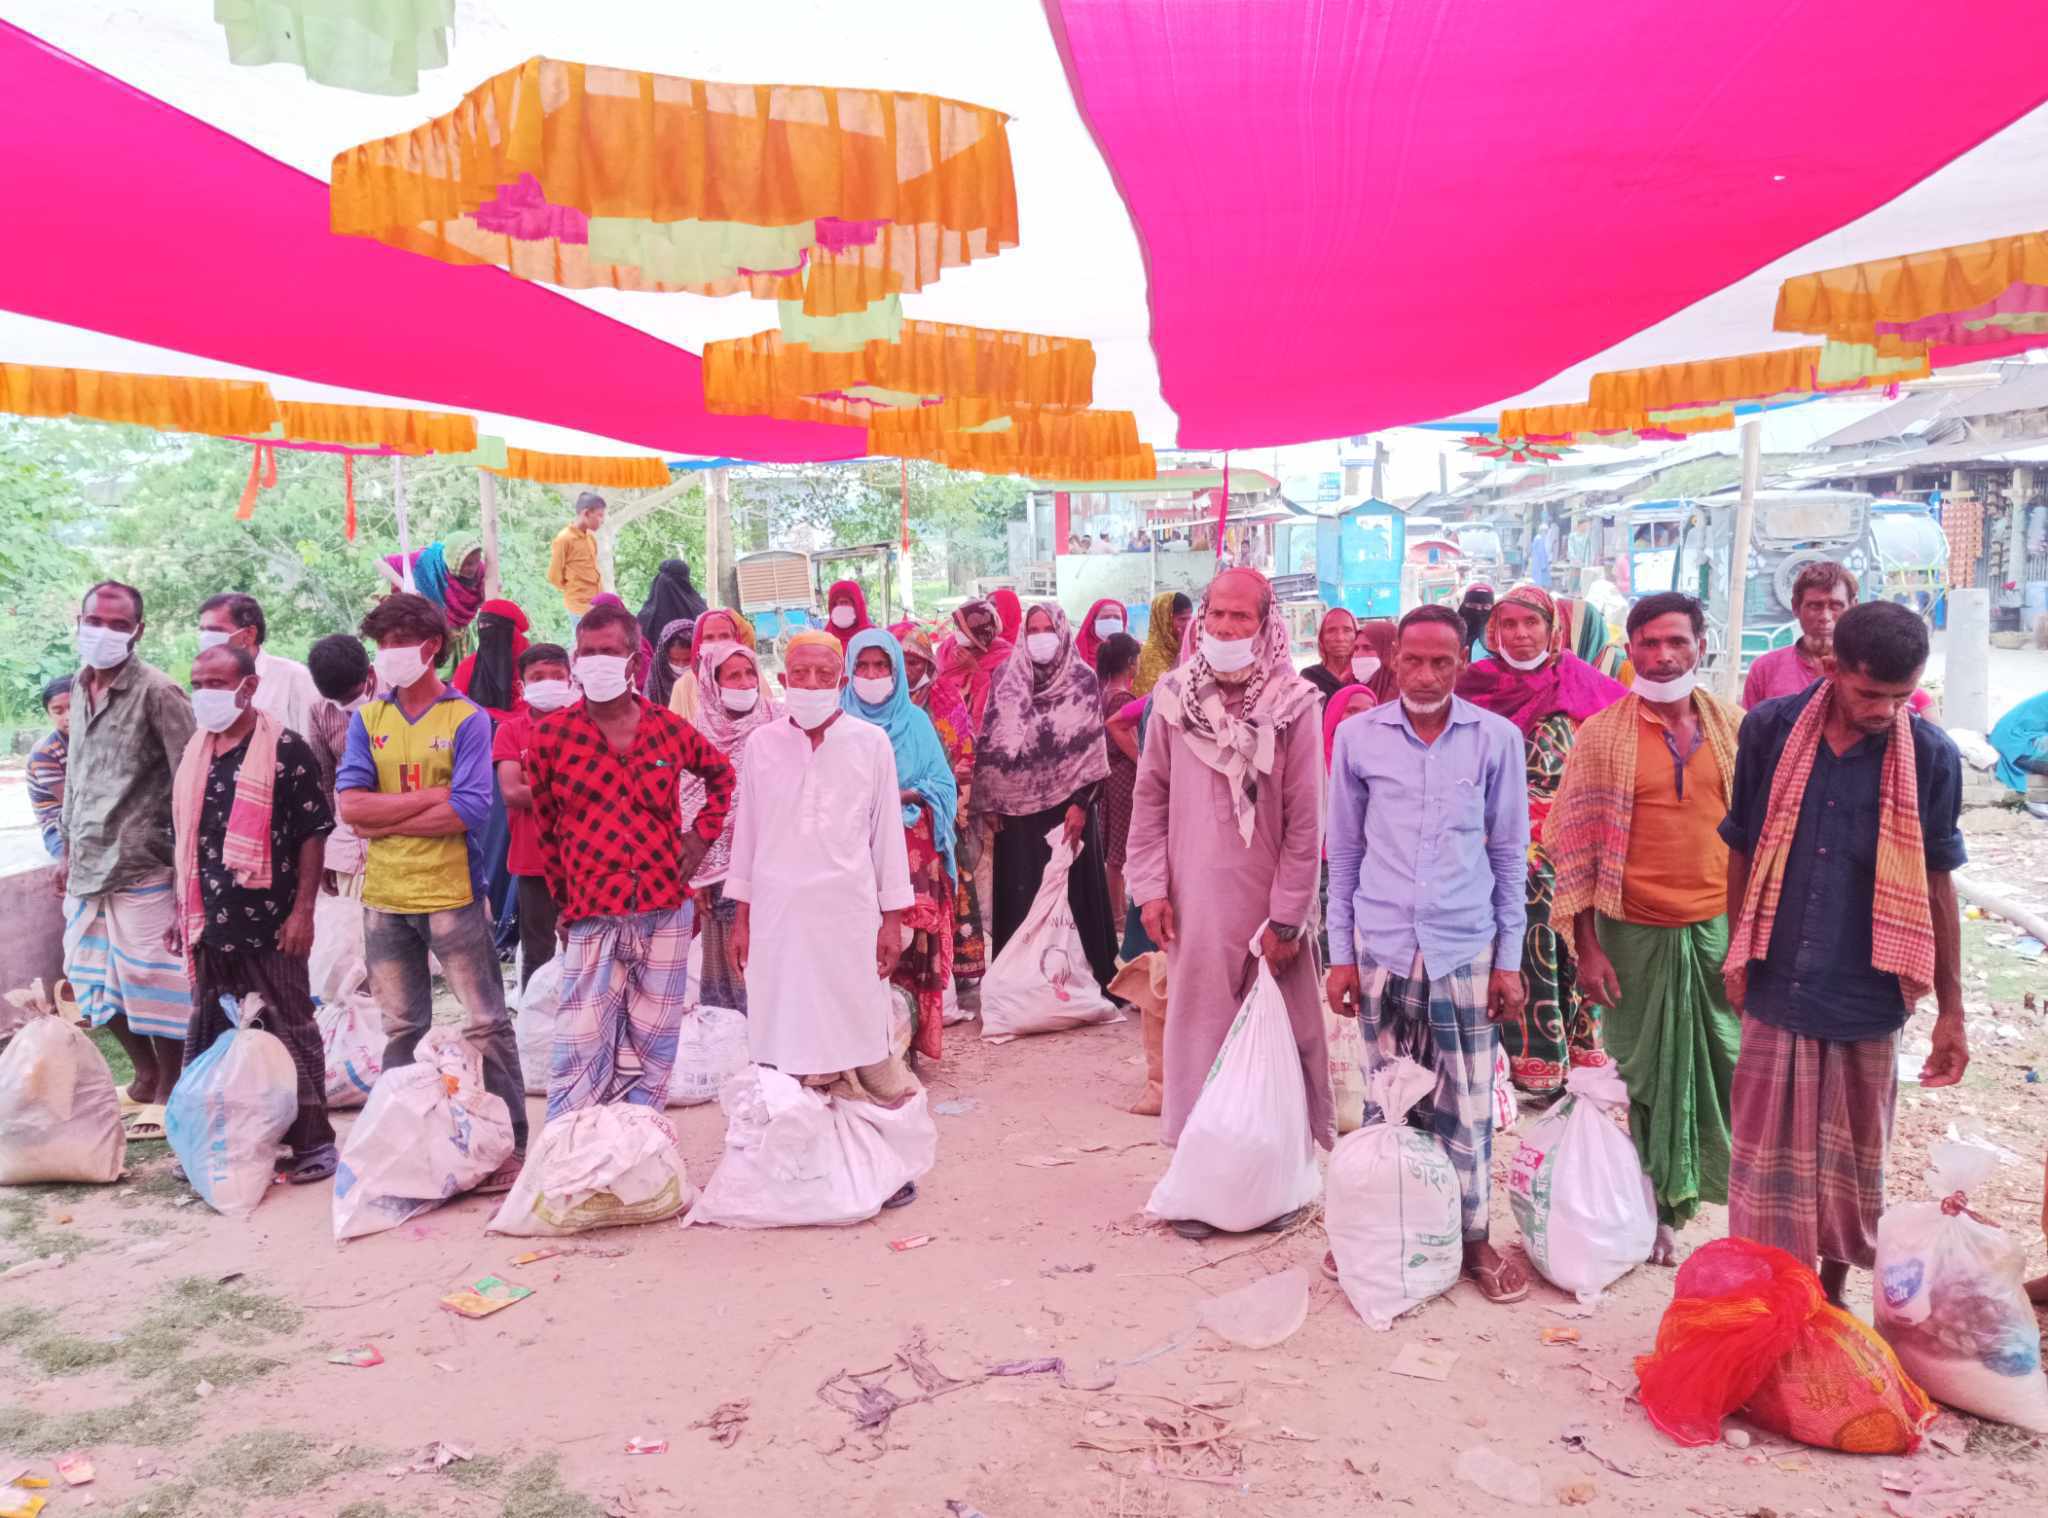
x=1357, y=213
x=235, y=262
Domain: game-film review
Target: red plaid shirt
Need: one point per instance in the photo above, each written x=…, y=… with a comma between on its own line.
x=610, y=825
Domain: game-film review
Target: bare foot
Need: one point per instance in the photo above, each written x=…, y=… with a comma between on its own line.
x=1500, y=1279
x=1665, y=1250
x=2037, y=1291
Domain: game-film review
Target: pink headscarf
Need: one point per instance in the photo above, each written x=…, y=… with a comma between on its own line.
x=1564, y=683
x=1335, y=710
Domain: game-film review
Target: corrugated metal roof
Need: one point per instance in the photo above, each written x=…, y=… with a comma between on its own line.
x=2016, y=386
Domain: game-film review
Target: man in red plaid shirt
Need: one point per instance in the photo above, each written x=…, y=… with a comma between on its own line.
x=605, y=775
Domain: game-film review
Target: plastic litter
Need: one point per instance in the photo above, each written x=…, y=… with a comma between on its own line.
x=484, y=1296
x=1261, y=1315
x=1498, y=1475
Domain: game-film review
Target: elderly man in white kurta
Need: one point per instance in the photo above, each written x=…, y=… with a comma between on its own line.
x=822, y=879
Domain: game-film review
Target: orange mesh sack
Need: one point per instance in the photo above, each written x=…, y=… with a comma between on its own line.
x=1748, y=1328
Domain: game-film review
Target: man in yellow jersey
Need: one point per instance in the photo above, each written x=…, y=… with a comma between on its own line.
x=572, y=558
x=415, y=780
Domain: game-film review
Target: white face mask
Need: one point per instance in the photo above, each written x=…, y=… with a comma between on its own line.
x=874, y=689
x=921, y=684
x=1226, y=655
x=1677, y=688
x=549, y=695
x=1512, y=662
x=1424, y=708
x=102, y=647
x=216, y=710
x=212, y=637
x=1042, y=646
x=1364, y=667
x=843, y=616
x=1108, y=627
x=603, y=676
x=811, y=708
x=739, y=701
x=399, y=667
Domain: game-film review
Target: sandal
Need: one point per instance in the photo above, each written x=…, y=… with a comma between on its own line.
x=904, y=1196
x=1282, y=1223
x=504, y=1178
x=1329, y=1265
x=1492, y=1283
x=313, y=1165
x=1193, y=1228
x=147, y=1125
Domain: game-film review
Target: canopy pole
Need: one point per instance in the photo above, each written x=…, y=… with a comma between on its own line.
x=1730, y=673
x=909, y=592
x=404, y=524
x=717, y=523
x=487, y=494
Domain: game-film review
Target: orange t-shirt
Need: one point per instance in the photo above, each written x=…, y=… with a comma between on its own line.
x=1677, y=871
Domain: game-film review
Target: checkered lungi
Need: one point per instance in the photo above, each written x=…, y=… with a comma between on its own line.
x=625, y=987
x=1811, y=1125
x=1442, y=1025
x=281, y=982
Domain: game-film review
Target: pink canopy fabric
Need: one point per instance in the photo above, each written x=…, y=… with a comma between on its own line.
x=129, y=217
x=1357, y=214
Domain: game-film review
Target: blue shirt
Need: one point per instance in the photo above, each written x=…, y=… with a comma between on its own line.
x=1817, y=979
x=1444, y=829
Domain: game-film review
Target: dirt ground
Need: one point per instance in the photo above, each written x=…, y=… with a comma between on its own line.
x=188, y=1353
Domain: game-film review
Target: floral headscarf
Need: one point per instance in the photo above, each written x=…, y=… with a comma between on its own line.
x=1043, y=742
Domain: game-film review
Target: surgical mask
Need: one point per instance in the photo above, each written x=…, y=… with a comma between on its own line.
x=216, y=710
x=603, y=676
x=399, y=667
x=1677, y=688
x=811, y=708
x=842, y=616
x=1108, y=627
x=1364, y=667
x=1041, y=646
x=874, y=689
x=1226, y=655
x=737, y=700
x=549, y=695
x=1512, y=662
x=922, y=682
x=102, y=647
x=1425, y=708
x=212, y=637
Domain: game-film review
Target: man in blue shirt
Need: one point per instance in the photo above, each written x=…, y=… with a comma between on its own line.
x=1426, y=945
x=1842, y=834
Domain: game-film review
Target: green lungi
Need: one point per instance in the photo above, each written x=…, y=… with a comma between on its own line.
x=1675, y=1039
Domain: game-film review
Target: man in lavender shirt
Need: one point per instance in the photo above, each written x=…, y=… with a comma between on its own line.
x=1426, y=944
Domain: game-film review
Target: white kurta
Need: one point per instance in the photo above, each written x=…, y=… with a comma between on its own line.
x=818, y=852
x=285, y=691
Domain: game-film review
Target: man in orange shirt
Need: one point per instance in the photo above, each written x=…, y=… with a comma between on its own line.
x=1642, y=888
x=572, y=558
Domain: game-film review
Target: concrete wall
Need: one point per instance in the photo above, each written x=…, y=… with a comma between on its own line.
x=31, y=930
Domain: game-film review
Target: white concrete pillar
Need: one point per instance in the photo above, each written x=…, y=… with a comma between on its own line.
x=1966, y=692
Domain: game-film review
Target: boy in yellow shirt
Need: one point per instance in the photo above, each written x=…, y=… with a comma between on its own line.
x=572, y=558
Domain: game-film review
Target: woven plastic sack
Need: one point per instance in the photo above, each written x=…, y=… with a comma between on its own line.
x=231, y=1108
x=540, y=1011
x=599, y=1167
x=1041, y=982
x=1245, y=1156
x=1749, y=1329
x=711, y=1048
x=1392, y=1208
x=352, y=1042
x=1587, y=1213
x=1951, y=1298
x=60, y=1117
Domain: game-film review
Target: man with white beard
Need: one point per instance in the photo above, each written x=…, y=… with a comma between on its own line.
x=1642, y=891
x=1428, y=842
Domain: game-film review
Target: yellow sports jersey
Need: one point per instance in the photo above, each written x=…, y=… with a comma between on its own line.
x=450, y=745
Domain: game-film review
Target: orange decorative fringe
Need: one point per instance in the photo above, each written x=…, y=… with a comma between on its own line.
x=379, y=427
x=579, y=469
x=1847, y=303
x=262, y=476
x=217, y=408
x=1040, y=441
x=621, y=143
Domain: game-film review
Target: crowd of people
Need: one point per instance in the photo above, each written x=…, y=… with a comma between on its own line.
x=1487, y=834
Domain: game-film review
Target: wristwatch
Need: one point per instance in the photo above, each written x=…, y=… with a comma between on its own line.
x=1285, y=935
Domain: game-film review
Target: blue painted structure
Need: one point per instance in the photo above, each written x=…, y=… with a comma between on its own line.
x=1359, y=552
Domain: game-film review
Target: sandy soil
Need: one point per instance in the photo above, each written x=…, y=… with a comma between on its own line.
x=646, y=1332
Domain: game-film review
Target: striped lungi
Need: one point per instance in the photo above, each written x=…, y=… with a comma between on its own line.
x=1811, y=1125
x=625, y=987
x=115, y=957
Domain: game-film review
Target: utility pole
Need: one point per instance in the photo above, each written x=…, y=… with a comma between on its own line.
x=1379, y=470
x=1730, y=673
x=721, y=566
x=487, y=495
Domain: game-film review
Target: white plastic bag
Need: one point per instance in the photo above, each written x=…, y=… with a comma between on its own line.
x=598, y=1167
x=1392, y=1208
x=230, y=1110
x=352, y=1040
x=1041, y=982
x=711, y=1048
x=1585, y=1207
x=1347, y=1070
x=60, y=1117
x=950, y=1010
x=540, y=1013
x=1245, y=1156
x=429, y=1132
x=1506, y=1108
x=1950, y=1299
x=336, y=966
x=795, y=1157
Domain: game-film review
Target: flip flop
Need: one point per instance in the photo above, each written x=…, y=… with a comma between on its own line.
x=1488, y=1279
x=504, y=1178
x=147, y=1125
x=313, y=1165
x=1329, y=1265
